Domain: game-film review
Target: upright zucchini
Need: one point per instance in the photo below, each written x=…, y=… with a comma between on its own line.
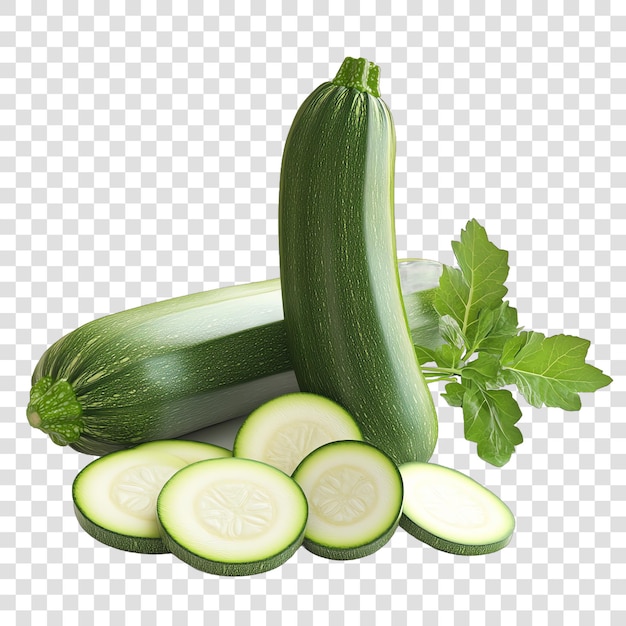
x=168, y=368
x=347, y=330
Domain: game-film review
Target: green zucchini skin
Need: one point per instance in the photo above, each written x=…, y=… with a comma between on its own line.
x=347, y=330
x=162, y=370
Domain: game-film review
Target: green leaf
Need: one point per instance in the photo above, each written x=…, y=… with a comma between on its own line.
x=425, y=355
x=448, y=356
x=489, y=420
x=483, y=370
x=478, y=284
x=495, y=328
x=550, y=370
x=485, y=350
x=454, y=394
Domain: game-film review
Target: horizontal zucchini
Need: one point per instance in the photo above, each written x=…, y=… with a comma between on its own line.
x=168, y=368
x=347, y=329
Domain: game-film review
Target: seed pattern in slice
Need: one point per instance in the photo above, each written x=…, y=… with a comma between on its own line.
x=284, y=430
x=135, y=490
x=291, y=444
x=236, y=510
x=115, y=497
x=355, y=499
x=343, y=495
x=232, y=516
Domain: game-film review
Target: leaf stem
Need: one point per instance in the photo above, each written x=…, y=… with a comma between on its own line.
x=440, y=374
x=439, y=379
x=441, y=370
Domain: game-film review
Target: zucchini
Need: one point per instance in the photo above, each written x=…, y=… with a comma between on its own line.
x=355, y=496
x=346, y=326
x=169, y=368
x=284, y=430
x=115, y=495
x=452, y=512
x=232, y=516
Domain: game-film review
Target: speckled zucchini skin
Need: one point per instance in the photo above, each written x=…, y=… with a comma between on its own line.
x=346, y=325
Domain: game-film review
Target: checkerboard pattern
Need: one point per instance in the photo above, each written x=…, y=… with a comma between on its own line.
x=140, y=152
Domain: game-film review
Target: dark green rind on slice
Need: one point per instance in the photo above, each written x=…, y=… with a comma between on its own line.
x=345, y=554
x=449, y=546
x=143, y=545
x=221, y=568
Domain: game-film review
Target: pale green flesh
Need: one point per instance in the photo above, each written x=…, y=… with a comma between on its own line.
x=232, y=511
x=355, y=498
x=283, y=431
x=117, y=493
x=187, y=450
x=115, y=496
x=452, y=511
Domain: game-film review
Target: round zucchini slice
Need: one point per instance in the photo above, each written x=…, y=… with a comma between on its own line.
x=355, y=496
x=452, y=512
x=284, y=430
x=115, y=498
x=232, y=516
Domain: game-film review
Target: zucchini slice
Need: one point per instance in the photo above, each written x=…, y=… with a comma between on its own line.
x=186, y=449
x=115, y=495
x=452, y=512
x=232, y=516
x=283, y=431
x=115, y=498
x=355, y=496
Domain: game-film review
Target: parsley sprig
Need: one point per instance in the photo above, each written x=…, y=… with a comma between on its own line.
x=484, y=351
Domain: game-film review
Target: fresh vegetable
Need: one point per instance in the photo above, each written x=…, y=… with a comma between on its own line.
x=346, y=326
x=115, y=495
x=232, y=516
x=355, y=495
x=169, y=368
x=284, y=430
x=452, y=512
x=485, y=350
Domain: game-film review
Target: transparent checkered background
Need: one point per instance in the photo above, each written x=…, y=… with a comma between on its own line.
x=139, y=159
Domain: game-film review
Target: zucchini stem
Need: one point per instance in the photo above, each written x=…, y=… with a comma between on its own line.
x=359, y=74
x=54, y=409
